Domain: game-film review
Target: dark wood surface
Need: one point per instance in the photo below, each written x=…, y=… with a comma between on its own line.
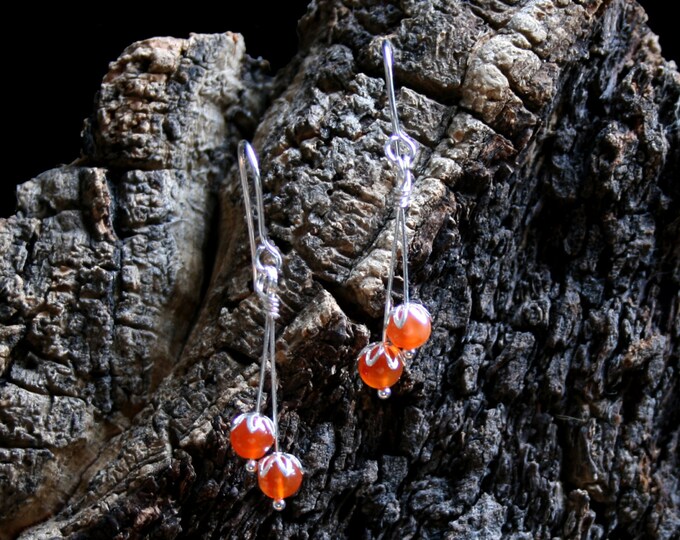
x=544, y=240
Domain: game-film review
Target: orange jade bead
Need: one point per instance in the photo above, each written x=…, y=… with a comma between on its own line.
x=279, y=476
x=380, y=366
x=252, y=434
x=409, y=326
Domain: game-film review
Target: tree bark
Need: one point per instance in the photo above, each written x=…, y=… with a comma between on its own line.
x=544, y=235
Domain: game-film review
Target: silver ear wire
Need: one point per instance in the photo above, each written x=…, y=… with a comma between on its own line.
x=266, y=257
x=400, y=149
x=388, y=62
x=266, y=261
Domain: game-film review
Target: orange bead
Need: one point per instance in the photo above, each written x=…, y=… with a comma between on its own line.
x=279, y=476
x=409, y=326
x=252, y=434
x=380, y=366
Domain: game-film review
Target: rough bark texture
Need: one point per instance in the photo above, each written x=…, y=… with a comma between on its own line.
x=544, y=240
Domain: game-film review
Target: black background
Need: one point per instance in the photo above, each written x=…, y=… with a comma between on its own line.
x=49, y=95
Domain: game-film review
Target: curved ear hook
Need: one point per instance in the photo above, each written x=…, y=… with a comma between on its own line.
x=264, y=273
x=388, y=61
x=399, y=148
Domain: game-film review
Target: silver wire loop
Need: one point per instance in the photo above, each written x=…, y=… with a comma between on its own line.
x=267, y=255
x=401, y=149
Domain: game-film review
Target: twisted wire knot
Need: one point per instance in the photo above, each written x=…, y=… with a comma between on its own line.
x=405, y=190
x=271, y=304
x=266, y=286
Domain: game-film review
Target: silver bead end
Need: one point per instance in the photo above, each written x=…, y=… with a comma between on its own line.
x=384, y=393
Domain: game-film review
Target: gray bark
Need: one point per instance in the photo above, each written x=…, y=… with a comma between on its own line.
x=543, y=237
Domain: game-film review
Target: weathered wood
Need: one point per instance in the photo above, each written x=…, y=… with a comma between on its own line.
x=544, y=239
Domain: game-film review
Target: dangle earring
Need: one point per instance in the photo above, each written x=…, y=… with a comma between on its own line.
x=279, y=474
x=408, y=325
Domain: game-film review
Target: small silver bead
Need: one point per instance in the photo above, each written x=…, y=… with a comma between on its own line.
x=251, y=466
x=384, y=393
x=279, y=504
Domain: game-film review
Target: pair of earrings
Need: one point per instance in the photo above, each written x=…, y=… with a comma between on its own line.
x=405, y=327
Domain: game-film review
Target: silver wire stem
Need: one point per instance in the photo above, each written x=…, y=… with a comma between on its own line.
x=260, y=388
x=404, y=255
x=400, y=149
x=390, y=278
x=266, y=264
x=272, y=361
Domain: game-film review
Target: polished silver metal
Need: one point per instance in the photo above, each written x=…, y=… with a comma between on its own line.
x=399, y=148
x=266, y=257
x=388, y=62
x=384, y=393
x=266, y=265
x=402, y=150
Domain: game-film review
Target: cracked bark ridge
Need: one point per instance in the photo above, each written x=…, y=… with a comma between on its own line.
x=544, y=239
x=104, y=263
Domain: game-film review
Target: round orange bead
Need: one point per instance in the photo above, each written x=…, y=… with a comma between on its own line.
x=279, y=476
x=380, y=365
x=409, y=326
x=252, y=434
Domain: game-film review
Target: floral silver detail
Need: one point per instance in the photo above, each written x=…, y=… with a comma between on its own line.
x=401, y=313
x=374, y=351
x=287, y=464
x=254, y=422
